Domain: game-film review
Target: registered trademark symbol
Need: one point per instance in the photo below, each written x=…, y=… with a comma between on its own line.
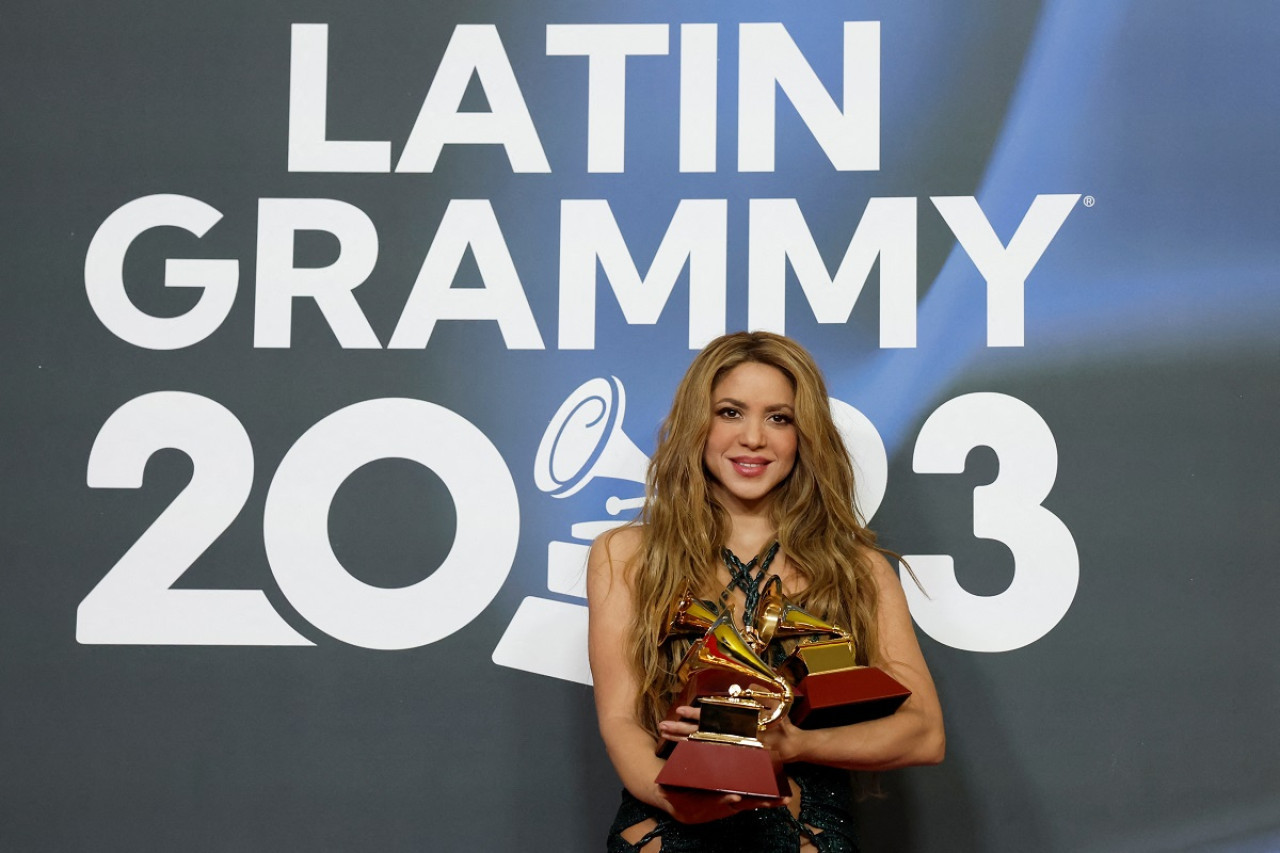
x=1090, y=201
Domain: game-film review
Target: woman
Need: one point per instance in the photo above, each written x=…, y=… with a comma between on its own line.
x=748, y=456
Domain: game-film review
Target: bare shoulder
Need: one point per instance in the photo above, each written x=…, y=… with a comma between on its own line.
x=881, y=571
x=611, y=553
x=879, y=564
x=618, y=543
x=891, y=600
x=614, y=549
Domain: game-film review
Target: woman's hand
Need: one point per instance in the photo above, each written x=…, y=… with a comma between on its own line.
x=689, y=806
x=683, y=727
x=784, y=738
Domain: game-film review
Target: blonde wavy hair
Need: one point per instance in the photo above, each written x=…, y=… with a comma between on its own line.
x=683, y=527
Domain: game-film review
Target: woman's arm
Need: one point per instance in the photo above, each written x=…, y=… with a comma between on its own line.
x=912, y=735
x=630, y=746
x=609, y=597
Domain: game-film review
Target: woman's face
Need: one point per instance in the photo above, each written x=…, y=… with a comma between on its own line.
x=751, y=447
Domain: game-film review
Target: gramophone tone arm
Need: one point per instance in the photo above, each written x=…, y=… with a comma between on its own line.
x=784, y=704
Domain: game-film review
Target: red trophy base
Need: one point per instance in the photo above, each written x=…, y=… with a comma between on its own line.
x=704, y=765
x=826, y=699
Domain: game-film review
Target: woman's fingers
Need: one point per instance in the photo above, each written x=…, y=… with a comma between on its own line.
x=749, y=803
x=690, y=806
x=673, y=730
x=683, y=727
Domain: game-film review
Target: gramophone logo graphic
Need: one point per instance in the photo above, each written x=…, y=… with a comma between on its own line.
x=584, y=441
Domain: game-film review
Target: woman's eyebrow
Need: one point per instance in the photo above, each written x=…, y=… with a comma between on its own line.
x=774, y=407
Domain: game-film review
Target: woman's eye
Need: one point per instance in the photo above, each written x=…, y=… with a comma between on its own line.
x=781, y=419
x=728, y=412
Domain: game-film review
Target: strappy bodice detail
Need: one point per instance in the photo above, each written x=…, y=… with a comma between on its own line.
x=747, y=577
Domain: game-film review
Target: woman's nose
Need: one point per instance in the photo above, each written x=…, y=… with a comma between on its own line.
x=752, y=434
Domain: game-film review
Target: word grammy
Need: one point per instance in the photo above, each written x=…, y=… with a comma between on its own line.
x=590, y=242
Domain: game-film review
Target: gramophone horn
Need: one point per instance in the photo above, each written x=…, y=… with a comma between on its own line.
x=778, y=618
x=688, y=615
x=585, y=440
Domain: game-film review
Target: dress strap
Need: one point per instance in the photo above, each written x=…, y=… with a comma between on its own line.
x=746, y=577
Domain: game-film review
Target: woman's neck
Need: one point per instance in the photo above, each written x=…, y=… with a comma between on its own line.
x=749, y=535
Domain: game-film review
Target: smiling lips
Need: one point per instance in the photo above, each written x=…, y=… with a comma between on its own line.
x=749, y=466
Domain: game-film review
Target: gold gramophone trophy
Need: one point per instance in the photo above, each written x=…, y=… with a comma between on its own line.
x=723, y=676
x=831, y=688
x=695, y=616
x=688, y=615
